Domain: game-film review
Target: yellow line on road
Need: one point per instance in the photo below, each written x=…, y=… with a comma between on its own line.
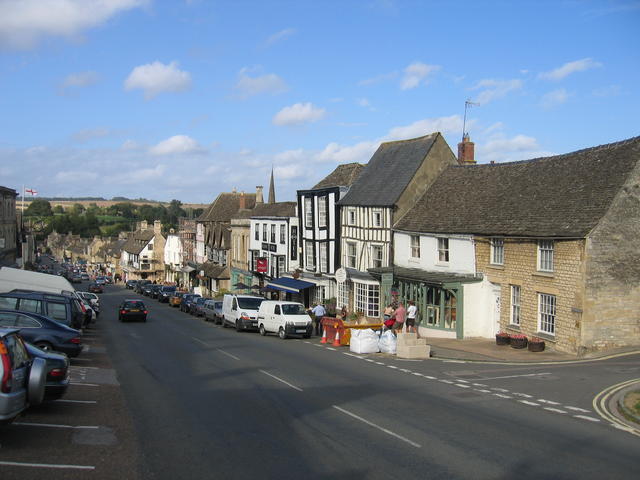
x=601, y=400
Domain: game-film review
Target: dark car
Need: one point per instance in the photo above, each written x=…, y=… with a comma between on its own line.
x=140, y=286
x=62, y=308
x=132, y=310
x=165, y=293
x=147, y=289
x=155, y=291
x=95, y=288
x=197, y=307
x=22, y=378
x=187, y=299
x=131, y=284
x=57, y=372
x=75, y=278
x=43, y=332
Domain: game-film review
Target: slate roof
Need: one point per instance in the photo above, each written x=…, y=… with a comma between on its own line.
x=389, y=171
x=223, y=208
x=430, y=277
x=137, y=241
x=211, y=270
x=278, y=209
x=560, y=196
x=343, y=176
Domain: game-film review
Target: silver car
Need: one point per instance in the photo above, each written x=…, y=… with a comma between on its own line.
x=213, y=311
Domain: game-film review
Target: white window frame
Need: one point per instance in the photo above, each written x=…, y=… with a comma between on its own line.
x=308, y=212
x=545, y=255
x=377, y=262
x=414, y=242
x=367, y=299
x=257, y=233
x=443, y=250
x=318, y=294
x=351, y=216
x=342, y=294
x=309, y=255
x=377, y=218
x=282, y=264
x=351, y=260
x=283, y=234
x=547, y=311
x=516, y=296
x=497, y=251
x=322, y=211
x=264, y=232
x=323, y=252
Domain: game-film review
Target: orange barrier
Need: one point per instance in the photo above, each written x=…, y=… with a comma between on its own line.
x=334, y=328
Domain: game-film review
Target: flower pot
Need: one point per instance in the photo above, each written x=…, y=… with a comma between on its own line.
x=502, y=339
x=518, y=342
x=536, y=346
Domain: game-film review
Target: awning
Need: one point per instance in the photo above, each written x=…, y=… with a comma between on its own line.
x=187, y=269
x=287, y=284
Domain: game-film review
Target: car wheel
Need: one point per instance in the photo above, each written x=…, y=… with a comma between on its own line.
x=46, y=346
x=238, y=327
x=282, y=334
x=306, y=335
x=263, y=332
x=224, y=323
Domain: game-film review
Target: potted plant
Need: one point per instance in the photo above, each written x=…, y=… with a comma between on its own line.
x=518, y=341
x=536, y=344
x=502, y=338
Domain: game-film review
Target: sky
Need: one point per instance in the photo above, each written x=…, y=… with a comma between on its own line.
x=184, y=99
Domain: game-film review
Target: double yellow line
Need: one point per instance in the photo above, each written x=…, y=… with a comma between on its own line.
x=601, y=400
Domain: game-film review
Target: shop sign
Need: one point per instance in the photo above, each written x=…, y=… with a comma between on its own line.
x=341, y=275
x=261, y=265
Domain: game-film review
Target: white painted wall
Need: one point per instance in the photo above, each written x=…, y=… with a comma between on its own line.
x=461, y=253
x=478, y=310
x=173, y=250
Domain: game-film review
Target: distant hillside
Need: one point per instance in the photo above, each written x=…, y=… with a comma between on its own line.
x=101, y=202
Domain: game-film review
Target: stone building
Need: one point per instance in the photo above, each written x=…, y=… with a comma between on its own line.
x=8, y=226
x=143, y=253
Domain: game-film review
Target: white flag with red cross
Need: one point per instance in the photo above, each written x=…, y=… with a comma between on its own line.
x=31, y=191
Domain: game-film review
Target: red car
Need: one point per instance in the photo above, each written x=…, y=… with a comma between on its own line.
x=95, y=288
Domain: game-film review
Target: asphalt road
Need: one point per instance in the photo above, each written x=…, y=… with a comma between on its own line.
x=208, y=402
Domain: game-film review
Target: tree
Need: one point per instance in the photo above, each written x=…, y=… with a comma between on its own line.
x=77, y=209
x=175, y=211
x=58, y=209
x=39, y=207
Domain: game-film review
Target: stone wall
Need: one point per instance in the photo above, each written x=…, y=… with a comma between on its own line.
x=612, y=293
x=520, y=268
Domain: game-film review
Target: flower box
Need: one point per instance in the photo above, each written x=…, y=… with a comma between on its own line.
x=536, y=345
x=502, y=338
x=518, y=341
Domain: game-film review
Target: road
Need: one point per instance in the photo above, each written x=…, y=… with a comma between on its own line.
x=208, y=402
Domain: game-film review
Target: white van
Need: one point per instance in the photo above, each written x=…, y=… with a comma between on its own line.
x=13, y=278
x=284, y=318
x=241, y=311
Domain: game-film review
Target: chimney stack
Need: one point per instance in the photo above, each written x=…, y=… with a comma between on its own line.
x=143, y=225
x=243, y=201
x=259, y=198
x=157, y=227
x=466, y=151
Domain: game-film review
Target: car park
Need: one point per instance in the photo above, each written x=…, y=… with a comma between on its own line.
x=132, y=309
x=95, y=288
x=22, y=379
x=131, y=284
x=165, y=293
x=241, y=311
x=213, y=311
x=284, y=319
x=43, y=332
x=197, y=308
x=57, y=379
x=187, y=299
x=62, y=308
x=176, y=299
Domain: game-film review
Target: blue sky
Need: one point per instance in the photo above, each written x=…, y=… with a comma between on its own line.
x=186, y=99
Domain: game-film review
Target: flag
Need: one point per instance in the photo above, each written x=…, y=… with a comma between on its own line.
x=31, y=191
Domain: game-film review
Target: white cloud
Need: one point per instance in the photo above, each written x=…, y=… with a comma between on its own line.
x=298, y=155
x=23, y=23
x=289, y=172
x=416, y=74
x=75, y=176
x=554, y=98
x=248, y=86
x=178, y=144
x=495, y=89
x=378, y=79
x=569, y=68
x=445, y=125
x=81, y=79
x=279, y=36
x=298, y=113
x=155, y=78
x=609, y=91
x=499, y=148
x=360, y=152
x=130, y=145
x=139, y=176
x=90, y=134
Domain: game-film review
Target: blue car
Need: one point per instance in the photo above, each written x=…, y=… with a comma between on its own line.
x=43, y=332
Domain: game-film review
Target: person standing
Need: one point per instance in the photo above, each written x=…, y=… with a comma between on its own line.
x=400, y=317
x=318, y=312
x=412, y=313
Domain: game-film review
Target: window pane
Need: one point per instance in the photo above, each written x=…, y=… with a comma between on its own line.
x=29, y=305
x=57, y=311
x=547, y=313
x=515, y=304
x=322, y=211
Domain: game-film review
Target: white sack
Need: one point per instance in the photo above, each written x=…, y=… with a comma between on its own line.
x=388, y=342
x=363, y=341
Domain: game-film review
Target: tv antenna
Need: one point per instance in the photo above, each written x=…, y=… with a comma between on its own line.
x=468, y=103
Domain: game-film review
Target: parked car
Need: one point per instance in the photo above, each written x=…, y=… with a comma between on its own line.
x=198, y=306
x=213, y=311
x=241, y=311
x=84, y=277
x=140, y=285
x=95, y=288
x=147, y=288
x=43, y=332
x=93, y=299
x=75, y=278
x=165, y=293
x=155, y=291
x=101, y=281
x=284, y=318
x=185, y=305
x=176, y=299
x=131, y=284
x=22, y=378
x=132, y=310
x=62, y=308
x=57, y=380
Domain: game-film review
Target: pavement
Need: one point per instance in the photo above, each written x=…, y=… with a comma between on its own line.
x=486, y=350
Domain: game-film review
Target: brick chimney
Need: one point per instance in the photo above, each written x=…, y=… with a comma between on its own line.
x=157, y=227
x=243, y=201
x=466, y=151
x=143, y=225
x=259, y=198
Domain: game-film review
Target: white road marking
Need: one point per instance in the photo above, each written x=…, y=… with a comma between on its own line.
x=461, y=385
x=331, y=348
x=555, y=410
x=382, y=429
x=482, y=390
x=459, y=380
x=418, y=374
x=524, y=395
x=369, y=360
x=584, y=417
x=576, y=409
x=504, y=390
x=75, y=401
x=542, y=400
x=47, y=465
x=502, y=395
x=527, y=402
x=51, y=425
x=350, y=354
x=517, y=376
x=307, y=341
x=281, y=380
x=73, y=367
x=478, y=384
x=316, y=345
x=404, y=370
x=392, y=366
x=85, y=384
x=453, y=361
x=227, y=354
x=200, y=341
x=378, y=363
x=430, y=377
x=446, y=381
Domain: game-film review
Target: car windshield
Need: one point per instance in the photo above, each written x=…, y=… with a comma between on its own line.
x=134, y=304
x=168, y=289
x=252, y=303
x=217, y=305
x=293, y=309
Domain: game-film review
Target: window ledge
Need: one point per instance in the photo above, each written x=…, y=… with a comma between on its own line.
x=495, y=266
x=543, y=274
x=514, y=327
x=546, y=336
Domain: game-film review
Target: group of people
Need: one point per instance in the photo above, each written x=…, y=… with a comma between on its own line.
x=397, y=317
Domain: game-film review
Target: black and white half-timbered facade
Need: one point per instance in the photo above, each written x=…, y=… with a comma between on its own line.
x=319, y=219
x=396, y=176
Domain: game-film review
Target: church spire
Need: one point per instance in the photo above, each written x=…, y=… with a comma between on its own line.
x=272, y=189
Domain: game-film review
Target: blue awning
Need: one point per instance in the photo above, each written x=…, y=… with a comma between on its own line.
x=287, y=284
